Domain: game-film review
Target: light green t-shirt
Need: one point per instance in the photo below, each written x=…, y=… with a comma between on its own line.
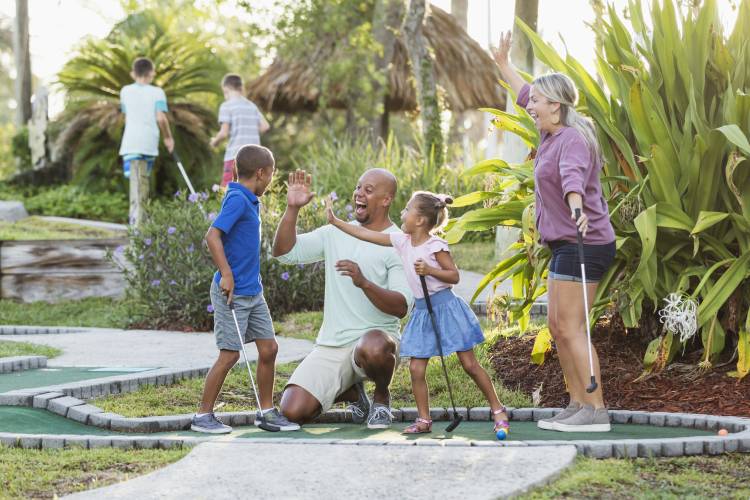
x=347, y=312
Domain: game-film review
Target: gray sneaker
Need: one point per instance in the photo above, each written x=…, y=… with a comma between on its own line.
x=587, y=419
x=276, y=420
x=361, y=409
x=571, y=410
x=208, y=423
x=380, y=416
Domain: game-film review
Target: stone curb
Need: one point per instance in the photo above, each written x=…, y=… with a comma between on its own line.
x=38, y=330
x=19, y=363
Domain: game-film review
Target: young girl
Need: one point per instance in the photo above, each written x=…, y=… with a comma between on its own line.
x=424, y=254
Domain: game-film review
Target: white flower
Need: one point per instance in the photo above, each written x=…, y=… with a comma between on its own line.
x=679, y=316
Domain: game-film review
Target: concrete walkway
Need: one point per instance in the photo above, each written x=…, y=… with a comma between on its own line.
x=308, y=471
x=146, y=348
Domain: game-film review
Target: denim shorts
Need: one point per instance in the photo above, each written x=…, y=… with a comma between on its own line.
x=566, y=266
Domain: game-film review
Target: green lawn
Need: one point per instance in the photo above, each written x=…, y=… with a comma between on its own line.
x=10, y=348
x=236, y=396
x=53, y=473
x=94, y=312
x=726, y=476
x=475, y=256
x=36, y=228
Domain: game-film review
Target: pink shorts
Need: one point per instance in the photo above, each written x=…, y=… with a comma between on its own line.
x=228, y=175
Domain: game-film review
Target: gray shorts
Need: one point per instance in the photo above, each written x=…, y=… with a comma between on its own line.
x=253, y=317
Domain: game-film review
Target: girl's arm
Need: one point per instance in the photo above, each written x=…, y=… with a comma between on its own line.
x=358, y=232
x=447, y=272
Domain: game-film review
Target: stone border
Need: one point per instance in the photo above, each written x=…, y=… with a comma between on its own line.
x=20, y=363
x=39, y=330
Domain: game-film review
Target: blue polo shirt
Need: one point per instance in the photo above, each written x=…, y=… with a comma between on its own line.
x=239, y=221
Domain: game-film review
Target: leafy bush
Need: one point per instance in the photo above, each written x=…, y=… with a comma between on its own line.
x=169, y=270
x=74, y=201
x=20, y=148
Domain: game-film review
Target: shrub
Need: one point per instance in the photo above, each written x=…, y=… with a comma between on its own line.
x=74, y=201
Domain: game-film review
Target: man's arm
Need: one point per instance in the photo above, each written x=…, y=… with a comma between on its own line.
x=388, y=301
x=163, y=122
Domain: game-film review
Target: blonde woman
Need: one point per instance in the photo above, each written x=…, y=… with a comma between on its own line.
x=566, y=174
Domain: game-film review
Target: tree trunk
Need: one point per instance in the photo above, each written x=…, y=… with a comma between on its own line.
x=387, y=19
x=23, y=63
x=424, y=76
x=514, y=149
x=459, y=10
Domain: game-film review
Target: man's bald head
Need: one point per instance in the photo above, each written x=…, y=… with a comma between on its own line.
x=384, y=178
x=373, y=196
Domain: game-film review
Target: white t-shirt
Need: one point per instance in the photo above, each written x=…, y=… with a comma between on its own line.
x=140, y=104
x=347, y=312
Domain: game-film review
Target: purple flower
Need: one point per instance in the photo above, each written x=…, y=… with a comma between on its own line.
x=191, y=248
x=172, y=283
x=349, y=208
x=147, y=242
x=171, y=230
x=210, y=308
x=140, y=257
x=156, y=283
x=301, y=266
x=215, y=188
x=204, y=196
x=193, y=197
x=211, y=216
x=119, y=249
x=285, y=275
x=334, y=196
x=177, y=193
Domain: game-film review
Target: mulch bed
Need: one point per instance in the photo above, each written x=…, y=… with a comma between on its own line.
x=679, y=388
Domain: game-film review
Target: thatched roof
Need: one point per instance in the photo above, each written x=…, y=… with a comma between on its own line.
x=464, y=70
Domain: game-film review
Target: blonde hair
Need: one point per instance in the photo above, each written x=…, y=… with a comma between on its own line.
x=434, y=207
x=557, y=87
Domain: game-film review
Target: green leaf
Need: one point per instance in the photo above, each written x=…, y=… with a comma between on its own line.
x=734, y=134
x=542, y=345
x=670, y=216
x=743, y=355
x=475, y=197
x=723, y=289
x=645, y=224
x=708, y=219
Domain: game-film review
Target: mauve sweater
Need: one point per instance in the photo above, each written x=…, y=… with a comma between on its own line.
x=564, y=164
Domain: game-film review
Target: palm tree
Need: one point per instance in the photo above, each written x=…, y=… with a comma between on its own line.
x=186, y=69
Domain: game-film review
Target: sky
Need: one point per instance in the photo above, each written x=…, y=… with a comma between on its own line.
x=56, y=26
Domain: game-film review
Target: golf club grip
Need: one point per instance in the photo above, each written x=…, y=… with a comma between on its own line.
x=175, y=156
x=426, y=293
x=580, y=235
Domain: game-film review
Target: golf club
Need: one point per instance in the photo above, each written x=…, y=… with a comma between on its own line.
x=592, y=387
x=456, y=417
x=263, y=424
x=182, y=171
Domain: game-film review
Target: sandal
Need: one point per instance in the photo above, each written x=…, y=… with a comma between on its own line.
x=501, y=424
x=420, y=426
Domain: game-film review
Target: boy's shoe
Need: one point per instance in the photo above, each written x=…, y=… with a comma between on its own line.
x=587, y=419
x=208, y=423
x=276, y=420
x=361, y=409
x=547, y=423
x=380, y=416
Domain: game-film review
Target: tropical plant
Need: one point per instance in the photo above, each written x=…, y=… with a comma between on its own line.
x=673, y=115
x=185, y=68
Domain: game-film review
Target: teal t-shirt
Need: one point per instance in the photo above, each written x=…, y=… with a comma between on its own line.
x=347, y=312
x=140, y=104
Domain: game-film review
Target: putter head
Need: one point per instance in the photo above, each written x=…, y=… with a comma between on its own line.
x=456, y=420
x=592, y=387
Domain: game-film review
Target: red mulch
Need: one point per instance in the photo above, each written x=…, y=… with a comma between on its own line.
x=679, y=388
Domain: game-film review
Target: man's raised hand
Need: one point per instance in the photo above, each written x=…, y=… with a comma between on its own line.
x=299, y=193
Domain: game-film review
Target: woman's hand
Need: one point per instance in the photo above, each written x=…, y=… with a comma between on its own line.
x=582, y=223
x=501, y=53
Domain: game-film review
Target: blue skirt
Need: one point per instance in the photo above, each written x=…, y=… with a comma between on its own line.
x=457, y=324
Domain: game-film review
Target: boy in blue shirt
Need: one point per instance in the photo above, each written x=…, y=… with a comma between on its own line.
x=234, y=242
x=145, y=109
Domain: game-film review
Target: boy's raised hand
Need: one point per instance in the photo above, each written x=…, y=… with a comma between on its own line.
x=299, y=193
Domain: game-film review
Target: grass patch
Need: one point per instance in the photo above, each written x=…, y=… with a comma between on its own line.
x=10, y=348
x=301, y=325
x=725, y=476
x=36, y=228
x=184, y=396
x=478, y=256
x=52, y=473
x=95, y=312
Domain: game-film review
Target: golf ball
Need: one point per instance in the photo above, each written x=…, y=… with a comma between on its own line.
x=723, y=432
x=501, y=434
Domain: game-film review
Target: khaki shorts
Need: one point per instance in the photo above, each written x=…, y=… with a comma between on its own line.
x=328, y=371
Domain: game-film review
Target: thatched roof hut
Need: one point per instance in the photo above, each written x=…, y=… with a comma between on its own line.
x=464, y=70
